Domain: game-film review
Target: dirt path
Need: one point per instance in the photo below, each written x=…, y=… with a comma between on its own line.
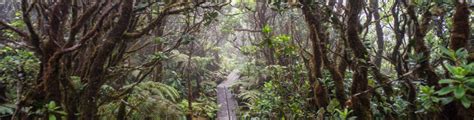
x=226, y=100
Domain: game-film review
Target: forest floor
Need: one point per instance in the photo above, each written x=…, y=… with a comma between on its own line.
x=225, y=98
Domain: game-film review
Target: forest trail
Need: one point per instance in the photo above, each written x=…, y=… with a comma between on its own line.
x=226, y=99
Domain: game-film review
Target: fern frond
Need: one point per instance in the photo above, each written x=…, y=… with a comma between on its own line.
x=250, y=95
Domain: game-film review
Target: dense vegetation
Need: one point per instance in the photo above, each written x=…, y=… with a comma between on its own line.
x=298, y=59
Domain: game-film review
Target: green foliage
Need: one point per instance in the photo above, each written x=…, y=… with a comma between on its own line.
x=147, y=99
x=400, y=106
x=461, y=80
x=266, y=29
x=271, y=102
x=6, y=109
x=336, y=113
x=51, y=110
x=13, y=60
x=250, y=95
x=249, y=49
x=283, y=46
x=458, y=56
x=201, y=69
x=17, y=66
x=18, y=23
x=275, y=99
x=159, y=56
x=344, y=114
x=428, y=99
x=203, y=107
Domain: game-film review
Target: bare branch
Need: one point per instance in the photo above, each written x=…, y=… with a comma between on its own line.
x=246, y=30
x=34, y=38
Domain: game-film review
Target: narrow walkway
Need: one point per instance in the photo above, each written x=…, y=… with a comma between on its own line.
x=227, y=102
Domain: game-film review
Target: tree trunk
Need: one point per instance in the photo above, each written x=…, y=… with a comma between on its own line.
x=460, y=32
x=425, y=69
x=379, y=32
x=319, y=90
x=419, y=44
x=96, y=77
x=360, y=100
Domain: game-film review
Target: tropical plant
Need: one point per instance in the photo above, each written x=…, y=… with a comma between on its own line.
x=147, y=100
x=460, y=85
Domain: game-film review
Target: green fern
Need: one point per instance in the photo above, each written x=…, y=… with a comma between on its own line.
x=148, y=100
x=251, y=95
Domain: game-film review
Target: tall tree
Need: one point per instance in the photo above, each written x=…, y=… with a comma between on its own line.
x=312, y=17
x=420, y=29
x=460, y=32
x=379, y=31
x=360, y=99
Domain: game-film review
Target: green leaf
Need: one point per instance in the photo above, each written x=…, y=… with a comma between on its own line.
x=5, y=109
x=266, y=29
x=446, y=100
x=435, y=99
x=332, y=105
x=459, y=72
x=471, y=80
x=427, y=105
x=461, y=53
x=52, y=117
x=446, y=81
x=465, y=102
x=52, y=105
x=425, y=89
x=445, y=50
x=448, y=52
x=459, y=92
x=469, y=67
x=61, y=112
x=445, y=90
x=450, y=68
